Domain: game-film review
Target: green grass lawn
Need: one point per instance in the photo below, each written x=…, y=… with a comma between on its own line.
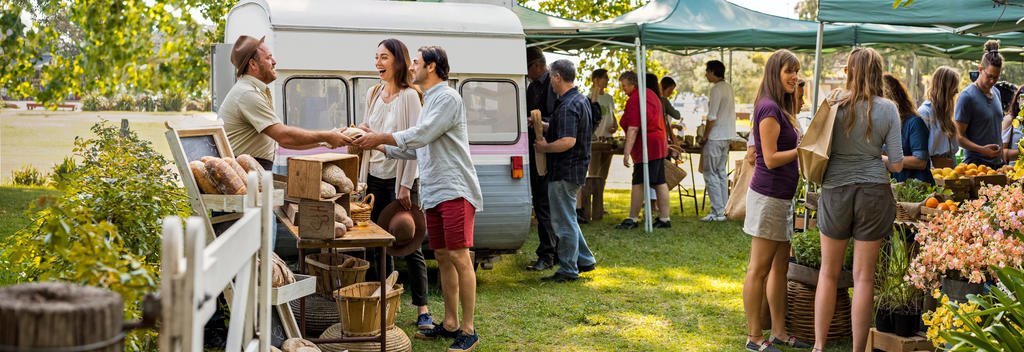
x=678, y=289
x=14, y=200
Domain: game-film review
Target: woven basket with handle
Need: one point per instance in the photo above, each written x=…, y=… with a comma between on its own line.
x=360, y=312
x=330, y=275
x=361, y=210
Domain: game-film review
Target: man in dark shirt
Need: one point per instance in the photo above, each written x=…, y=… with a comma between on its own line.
x=540, y=96
x=567, y=144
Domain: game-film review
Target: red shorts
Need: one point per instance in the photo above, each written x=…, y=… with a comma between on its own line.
x=450, y=224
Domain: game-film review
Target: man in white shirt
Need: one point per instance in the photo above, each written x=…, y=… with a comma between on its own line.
x=721, y=127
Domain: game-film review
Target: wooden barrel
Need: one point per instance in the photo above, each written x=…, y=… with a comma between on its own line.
x=55, y=314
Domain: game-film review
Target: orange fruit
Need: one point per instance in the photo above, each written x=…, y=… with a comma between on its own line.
x=943, y=206
x=949, y=202
x=931, y=202
x=952, y=207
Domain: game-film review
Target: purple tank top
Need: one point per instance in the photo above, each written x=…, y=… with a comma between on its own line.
x=781, y=181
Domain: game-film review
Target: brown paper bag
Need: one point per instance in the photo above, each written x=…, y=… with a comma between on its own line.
x=816, y=145
x=540, y=157
x=736, y=206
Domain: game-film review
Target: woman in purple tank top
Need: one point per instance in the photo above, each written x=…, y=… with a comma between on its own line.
x=769, y=216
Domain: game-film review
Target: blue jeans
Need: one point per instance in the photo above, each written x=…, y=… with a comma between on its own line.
x=572, y=248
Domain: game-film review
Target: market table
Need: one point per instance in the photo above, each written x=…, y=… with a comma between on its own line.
x=365, y=234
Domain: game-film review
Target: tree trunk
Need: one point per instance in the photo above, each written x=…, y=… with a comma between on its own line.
x=54, y=314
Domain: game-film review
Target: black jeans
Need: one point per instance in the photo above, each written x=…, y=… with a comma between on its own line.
x=542, y=211
x=383, y=191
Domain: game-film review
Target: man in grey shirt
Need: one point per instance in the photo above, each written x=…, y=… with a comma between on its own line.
x=449, y=190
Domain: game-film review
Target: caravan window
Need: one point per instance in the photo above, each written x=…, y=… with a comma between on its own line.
x=316, y=103
x=362, y=86
x=492, y=111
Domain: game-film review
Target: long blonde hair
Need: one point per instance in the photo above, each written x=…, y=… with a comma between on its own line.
x=942, y=94
x=772, y=87
x=864, y=82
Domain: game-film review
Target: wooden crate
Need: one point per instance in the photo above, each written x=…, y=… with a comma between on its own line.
x=961, y=188
x=978, y=181
x=304, y=172
x=316, y=217
x=893, y=343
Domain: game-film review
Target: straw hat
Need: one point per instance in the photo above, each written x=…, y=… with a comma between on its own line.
x=408, y=226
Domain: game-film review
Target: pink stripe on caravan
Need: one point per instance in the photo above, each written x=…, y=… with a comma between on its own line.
x=519, y=148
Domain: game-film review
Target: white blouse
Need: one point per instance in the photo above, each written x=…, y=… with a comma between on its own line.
x=389, y=117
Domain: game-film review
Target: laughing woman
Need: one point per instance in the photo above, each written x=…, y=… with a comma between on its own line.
x=769, y=217
x=393, y=106
x=856, y=199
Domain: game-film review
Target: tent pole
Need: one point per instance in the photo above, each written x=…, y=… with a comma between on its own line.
x=814, y=104
x=641, y=77
x=730, y=66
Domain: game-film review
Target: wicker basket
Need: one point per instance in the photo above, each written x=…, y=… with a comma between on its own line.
x=321, y=313
x=397, y=341
x=360, y=313
x=800, y=313
x=673, y=174
x=360, y=211
x=330, y=275
x=907, y=211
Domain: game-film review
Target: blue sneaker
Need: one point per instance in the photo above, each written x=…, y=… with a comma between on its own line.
x=437, y=332
x=464, y=343
x=423, y=322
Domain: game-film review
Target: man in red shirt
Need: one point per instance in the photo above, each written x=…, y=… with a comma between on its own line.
x=657, y=150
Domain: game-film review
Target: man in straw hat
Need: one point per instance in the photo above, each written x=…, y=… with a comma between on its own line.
x=450, y=191
x=250, y=122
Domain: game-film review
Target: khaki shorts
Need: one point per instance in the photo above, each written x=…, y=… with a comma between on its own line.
x=864, y=211
x=768, y=218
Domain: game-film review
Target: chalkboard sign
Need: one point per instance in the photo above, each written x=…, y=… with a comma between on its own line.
x=196, y=147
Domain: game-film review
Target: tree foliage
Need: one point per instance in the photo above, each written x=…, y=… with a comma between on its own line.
x=615, y=60
x=807, y=10
x=79, y=47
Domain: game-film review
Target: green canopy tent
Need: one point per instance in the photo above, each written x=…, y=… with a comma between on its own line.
x=971, y=16
x=696, y=24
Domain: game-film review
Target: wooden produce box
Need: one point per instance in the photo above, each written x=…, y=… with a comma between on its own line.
x=304, y=173
x=961, y=188
x=316, y=217
x=887, y=342
x=979, y=181
x=230, y=203
x=303, y=286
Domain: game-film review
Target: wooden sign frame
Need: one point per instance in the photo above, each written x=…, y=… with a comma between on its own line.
x=174, y=134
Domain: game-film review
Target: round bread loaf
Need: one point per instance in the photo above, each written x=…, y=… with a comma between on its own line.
x=327, y=190
x=250, y=164
x=339, y=230
x=336, y=176
x=242, y=172
x=203, y=179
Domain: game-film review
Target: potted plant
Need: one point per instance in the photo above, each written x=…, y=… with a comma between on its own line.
x=990, y=322
x=806, y=260
x=959, y=249
x=897, y=301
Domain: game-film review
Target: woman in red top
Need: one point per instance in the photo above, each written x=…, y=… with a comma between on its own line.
x=657, y=149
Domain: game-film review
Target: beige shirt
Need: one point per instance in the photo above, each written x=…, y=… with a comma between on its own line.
x=398, y=115
x=246, y=111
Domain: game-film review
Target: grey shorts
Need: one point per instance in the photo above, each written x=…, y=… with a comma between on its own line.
x=864, y=211
x=768, y=218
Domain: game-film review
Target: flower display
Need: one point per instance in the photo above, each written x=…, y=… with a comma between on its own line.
x=963, y=244
x=943, y=318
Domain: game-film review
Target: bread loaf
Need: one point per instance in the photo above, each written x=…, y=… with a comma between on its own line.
x=238, y=168
x=250, y=164
x=339, y=230
x=336, y=176
x=295, y=343
x=206, y=158
x=353, y=132
x=348, y=222
x=224, y=177
x=206, y=184
x=349, y=262
x=339, y=213
x=282, y=275
x=327, y=190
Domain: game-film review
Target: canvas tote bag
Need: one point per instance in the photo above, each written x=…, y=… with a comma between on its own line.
x=736, y=206
x=816, y=145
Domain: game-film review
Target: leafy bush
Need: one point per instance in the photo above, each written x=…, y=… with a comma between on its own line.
x=807, y=249
x=27, y=176
x=105, y=228
x=62, y=172
x=92, y=103
x=145, y=102
x=892, y=290
x=125, y=102
x=171, y=101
